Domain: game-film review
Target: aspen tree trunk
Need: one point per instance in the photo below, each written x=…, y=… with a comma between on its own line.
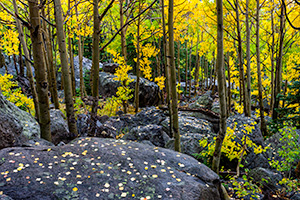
x=272, y=59
x=212, y=78
x=229, y=87
x=215, y=79
x=123, y=33
x=40, y=69
x=95, y=65
x=71, y=57
x=137, y=84
x=175, y=126
x=202, y=73
x=65, y=69
x=166, y=65
x=27, y=63
x=2, y=60
x=190, y=69
x=278, y=73
x=248, y=91
x=260, y=91
x=221, y=88
x=197, y=66
x=52, y=67
x=21, y=61
x=284, y=92
x=178, y=62
x=206, y=72
x=159, y=60
x=240, y=59
x=186, y=68
x=49, y=63
x=80, y=57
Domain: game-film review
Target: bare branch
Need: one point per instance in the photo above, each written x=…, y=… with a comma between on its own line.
x=128, y=23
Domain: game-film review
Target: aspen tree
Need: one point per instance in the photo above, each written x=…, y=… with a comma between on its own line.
x=27, y=63
x=40, y=69
x=221, y=87
x=65, y=69
x=174, y=96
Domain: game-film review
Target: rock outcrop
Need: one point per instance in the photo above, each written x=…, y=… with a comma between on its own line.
x=16, y=125
x=95, y=168
x=148, y=94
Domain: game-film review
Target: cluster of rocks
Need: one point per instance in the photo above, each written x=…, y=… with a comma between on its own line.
x=149, y=127
x=113, y=168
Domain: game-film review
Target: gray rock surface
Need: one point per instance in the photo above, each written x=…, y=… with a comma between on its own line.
x=58, y=126
x=205, y=100
x=5, y=197
x=10, y=131
x=31, y=128
x=248, y=195
x=296, y=196
x=277, y=143
x=216, y=107
x=252, y=160
x=9, y=60
x=152, y=133
x=191, y=130
x=240, y=122
x=149, y=91
x=188, y=124
x=88, y=168
x=266, y=177
x=86, y=65
x=190, y=143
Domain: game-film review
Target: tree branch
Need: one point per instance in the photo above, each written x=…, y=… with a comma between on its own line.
x=47, y=21
x=106, y=10
x=286, y=16
x=128, y=23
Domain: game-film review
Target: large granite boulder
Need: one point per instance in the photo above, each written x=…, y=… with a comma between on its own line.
x=239, y=124
x=148, y=94
x=188, y=124
x=95, y=168
x=265, y=177
x=152, y=133
x=31, y=128
x=59, y=127
x=189, y=143
x=86, y=66
x=203, y=101
x=191, y=130
x=118, y=125
x=10, y=131
x=278, y=142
